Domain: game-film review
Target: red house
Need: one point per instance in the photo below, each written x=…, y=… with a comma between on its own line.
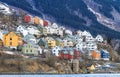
x=70, y=54
x=65, y=56
x=45, y=23
x=27, y=18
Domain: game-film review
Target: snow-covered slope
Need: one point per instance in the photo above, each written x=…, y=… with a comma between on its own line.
x=101, y=18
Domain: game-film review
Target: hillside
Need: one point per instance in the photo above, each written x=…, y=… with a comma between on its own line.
x=76, y=14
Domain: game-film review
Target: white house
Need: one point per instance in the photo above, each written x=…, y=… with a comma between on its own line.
x=85, y=33
x=79, y=32
x=81, y=46
x=99, y=38
x=50, y=30
x=59, y=32
x=1, y=34
x=68, y=42
x=77, y=39
x=89, y=37
x=39, y=49
x=68, y=32
x=91, y=46
x=54, y=25
x=30, y=39
x=33, y=30
x=56, y=50
x=22, y=30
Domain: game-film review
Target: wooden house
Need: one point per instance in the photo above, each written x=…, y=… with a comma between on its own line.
x=95, y=55
x=12, y=40
x=105, y=55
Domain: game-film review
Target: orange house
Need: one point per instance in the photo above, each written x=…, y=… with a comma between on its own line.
x=12, y=40
x=95, y=55
x=36, y=20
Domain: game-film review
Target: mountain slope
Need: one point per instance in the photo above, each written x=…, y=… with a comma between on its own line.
x=76, y=14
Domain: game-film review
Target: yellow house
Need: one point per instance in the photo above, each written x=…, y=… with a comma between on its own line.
x=51, y=42
x=90, y=67
x=36, y=20
x=59, y=42
x=12, y=40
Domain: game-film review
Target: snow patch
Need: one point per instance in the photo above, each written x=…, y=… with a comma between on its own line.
x=103, y=20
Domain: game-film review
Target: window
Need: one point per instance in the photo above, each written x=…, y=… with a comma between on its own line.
x=10, y=43
x=10, y=38
x=30, y=50
x=26, y=50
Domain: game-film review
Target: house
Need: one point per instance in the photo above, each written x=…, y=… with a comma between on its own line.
x=90, y=67
x=85, y=33
x=66, y=53
x=77, y=39
x=1, y=34
x=22, y=30
x=30, y=39
x=59, y=32
x=27, y=18
x=1, y=43
x=91, y=46
x=43, y=43
x=56, y=50
x=104, y=55
x=68, y=42
x=99, y=38
x=36, y=20
x=95, y=54
x=54, y=25
x=79, y=33
x=33, y=30
x=12, y=40
x=41, y=22
x=59, y=42
x=50, y=30
x=45, y=23
x=30, y=49
x=68, y=32
x=89, y=37
x=51, y=42
x=42, y=29
x=81, y=46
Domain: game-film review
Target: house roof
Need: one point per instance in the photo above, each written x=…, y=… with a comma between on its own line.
x=50, y=38
x=5, y=32
x=32, y=27
x=22, y=27
x=89, y=65
x=67, y=38
x=105, y=51
x=28, y=37
x=60, y=40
